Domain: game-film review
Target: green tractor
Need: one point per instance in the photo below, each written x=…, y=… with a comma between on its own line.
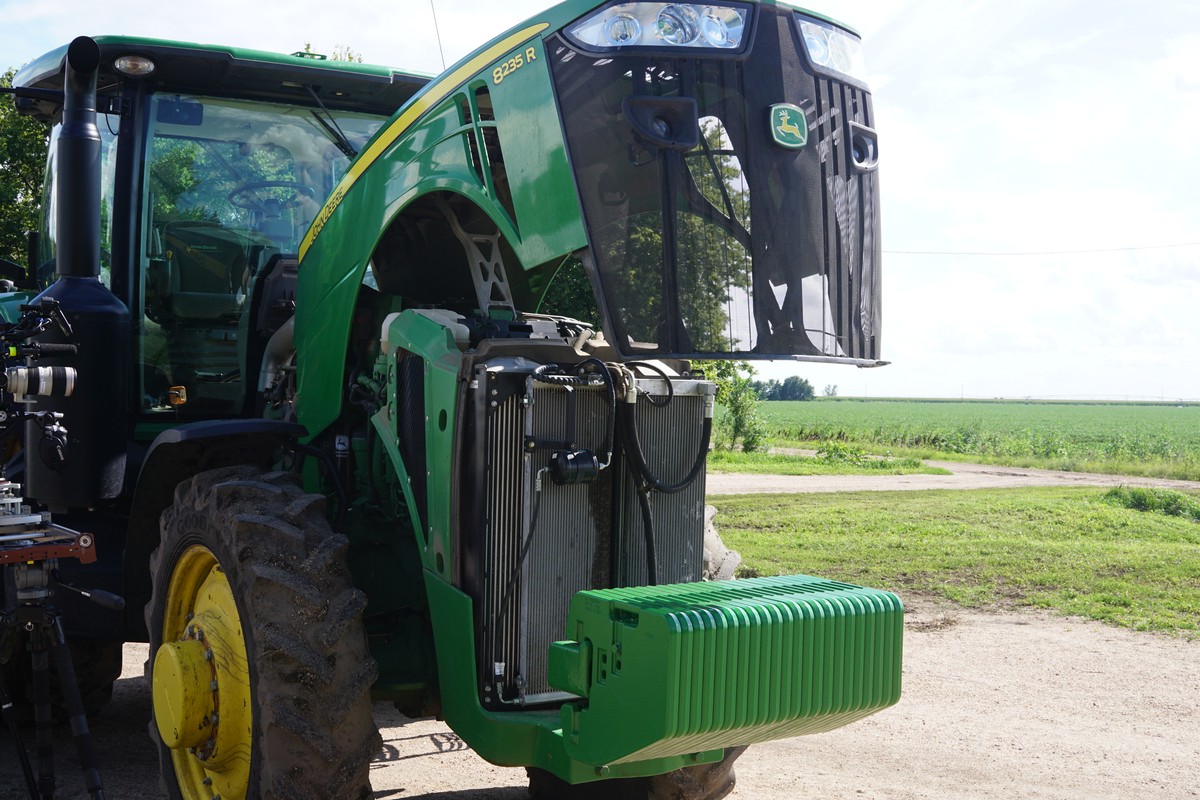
x=389, y=388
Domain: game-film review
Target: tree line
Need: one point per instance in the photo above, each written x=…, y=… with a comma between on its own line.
x=791, y=388
x=23, y=143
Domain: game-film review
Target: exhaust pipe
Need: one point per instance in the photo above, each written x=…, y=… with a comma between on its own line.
x=78, y=156
x=96, y=415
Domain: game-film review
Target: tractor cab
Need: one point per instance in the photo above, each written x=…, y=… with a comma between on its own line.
x=214, y=163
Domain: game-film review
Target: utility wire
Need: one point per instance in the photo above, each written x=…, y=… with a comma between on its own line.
x=1037, y=252
x=438, y=31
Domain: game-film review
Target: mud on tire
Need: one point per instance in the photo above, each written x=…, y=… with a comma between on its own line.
x=310, y=673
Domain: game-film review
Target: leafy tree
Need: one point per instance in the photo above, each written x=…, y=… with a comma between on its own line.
x=712, y=262
x=570, y=294
x=711, y=248
x=796, y=388
x=768, y=390
x=23, y=144
x=342, y=52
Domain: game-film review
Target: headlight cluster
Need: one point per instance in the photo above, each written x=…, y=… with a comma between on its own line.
x=662, y=25
x=832, y=49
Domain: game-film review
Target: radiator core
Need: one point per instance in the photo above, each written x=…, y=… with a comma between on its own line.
x=577, y=536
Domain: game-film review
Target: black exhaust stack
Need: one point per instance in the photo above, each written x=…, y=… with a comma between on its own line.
x=78, y=156
x=95, y=415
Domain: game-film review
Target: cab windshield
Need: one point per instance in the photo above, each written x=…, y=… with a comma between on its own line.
x=229, y=187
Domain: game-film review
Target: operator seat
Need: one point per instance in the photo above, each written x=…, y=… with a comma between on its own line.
x=207, y=269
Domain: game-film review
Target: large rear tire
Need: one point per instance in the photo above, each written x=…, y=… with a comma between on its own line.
x=702, y=782
x=261, y=675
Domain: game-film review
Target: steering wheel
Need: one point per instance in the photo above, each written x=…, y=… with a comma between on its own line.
x=269, y=206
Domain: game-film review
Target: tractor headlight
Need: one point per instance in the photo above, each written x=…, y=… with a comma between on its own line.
x=720, y=26
x=832, y=49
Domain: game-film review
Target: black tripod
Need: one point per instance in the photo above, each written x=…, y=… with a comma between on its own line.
x=40, y=623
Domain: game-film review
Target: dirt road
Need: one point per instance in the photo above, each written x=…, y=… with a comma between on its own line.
x=965, y=476
x=996, y=705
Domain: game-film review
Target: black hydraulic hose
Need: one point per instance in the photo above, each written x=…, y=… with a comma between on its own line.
x=611, y=421
x=633, y=447
x=645, y=478
x=662, y=374
x=326, y=460
x=544, y=375
x=648, y=535
x=498, y=619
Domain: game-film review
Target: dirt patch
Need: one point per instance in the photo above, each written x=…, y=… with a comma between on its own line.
x=1004, y=704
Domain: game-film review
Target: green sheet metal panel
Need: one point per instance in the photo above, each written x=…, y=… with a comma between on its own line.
x=668, y=670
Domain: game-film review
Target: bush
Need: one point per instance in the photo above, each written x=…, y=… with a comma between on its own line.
x=840, y=451
x=740, y=422
x=1162, y=501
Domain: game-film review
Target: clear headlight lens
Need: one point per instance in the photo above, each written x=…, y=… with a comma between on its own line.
x=662, y=25
x=832, y=49
x=622, y=29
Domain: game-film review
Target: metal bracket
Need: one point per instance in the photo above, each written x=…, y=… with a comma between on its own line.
x=485, y=262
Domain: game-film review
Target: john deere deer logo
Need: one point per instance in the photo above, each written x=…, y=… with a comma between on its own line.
x=789, y=128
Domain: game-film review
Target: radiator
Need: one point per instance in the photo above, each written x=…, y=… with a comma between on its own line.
x=578, y=537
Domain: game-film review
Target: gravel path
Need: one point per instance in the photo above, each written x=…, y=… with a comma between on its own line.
x=965, y=476
x=997, y=705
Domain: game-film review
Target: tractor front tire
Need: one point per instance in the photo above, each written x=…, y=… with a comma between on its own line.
x=261, y=676
x=701, y=782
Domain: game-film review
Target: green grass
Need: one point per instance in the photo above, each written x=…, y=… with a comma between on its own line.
x=1062, y=548
x=787, y=464
x=1158, y=440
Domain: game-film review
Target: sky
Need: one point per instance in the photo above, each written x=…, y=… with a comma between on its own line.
x=1039, y=165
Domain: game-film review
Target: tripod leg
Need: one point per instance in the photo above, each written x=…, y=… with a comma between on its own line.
x=41, y=713
x=88, y=761
x=10, y=719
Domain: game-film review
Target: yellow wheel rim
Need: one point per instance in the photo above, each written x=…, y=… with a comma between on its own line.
x=201, y=683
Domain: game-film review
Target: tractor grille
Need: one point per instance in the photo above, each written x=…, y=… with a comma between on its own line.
x=850, y=218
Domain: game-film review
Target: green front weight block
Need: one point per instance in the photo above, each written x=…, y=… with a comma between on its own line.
x=667, y=670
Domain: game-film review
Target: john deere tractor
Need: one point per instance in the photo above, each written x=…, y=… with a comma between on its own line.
x=391, y=388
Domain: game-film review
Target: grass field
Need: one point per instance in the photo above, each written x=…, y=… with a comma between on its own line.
x=785, y=464
x=1157, y=440
x=1064, y=548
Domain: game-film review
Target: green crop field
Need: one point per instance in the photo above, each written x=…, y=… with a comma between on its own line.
x=1160, y=440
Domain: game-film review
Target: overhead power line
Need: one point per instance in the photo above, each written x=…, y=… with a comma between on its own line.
x=1019, y=253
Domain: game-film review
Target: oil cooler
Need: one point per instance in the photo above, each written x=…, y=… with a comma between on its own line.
x=532, y=539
